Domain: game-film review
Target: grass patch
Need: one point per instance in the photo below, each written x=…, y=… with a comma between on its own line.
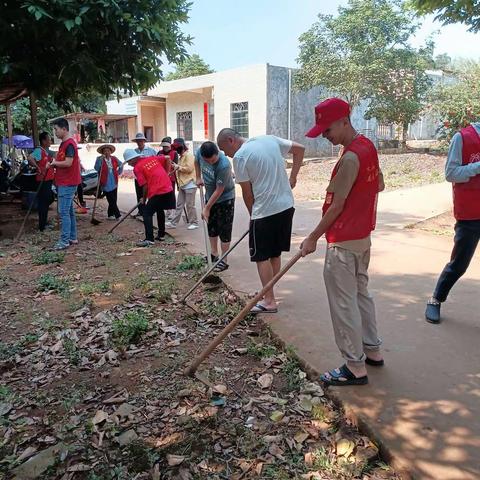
x=129, y=329
x=48, y=281
x=45, y=258
x=164, y=289
x=191, y=262
x=73, y=353
x=291, y=370
x=261, y=350
x=89, y=288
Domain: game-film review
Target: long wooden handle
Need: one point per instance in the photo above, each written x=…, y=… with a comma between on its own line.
x=205, y=231
x=22, y=226
x=98, y=190
x=124, y=217
x=192, y=368
x=213, y=266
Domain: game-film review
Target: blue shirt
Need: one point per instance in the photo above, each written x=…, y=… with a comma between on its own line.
x=111, y=183
x=218, y=174
x=146, y=152
x=455, y=172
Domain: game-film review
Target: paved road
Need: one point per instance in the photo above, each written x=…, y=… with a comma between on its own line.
x=424, y=405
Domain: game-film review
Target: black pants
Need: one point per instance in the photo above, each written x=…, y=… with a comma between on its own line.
x=44, y=200
x=154, y=205
x=467, y=235
x=80, y=194
x=139, y=192
x=113, y=210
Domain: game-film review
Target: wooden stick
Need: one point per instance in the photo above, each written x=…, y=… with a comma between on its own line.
x=192, y=368
x=205, y=231
x=205, y=275
x=124, y=217
x=93, y=220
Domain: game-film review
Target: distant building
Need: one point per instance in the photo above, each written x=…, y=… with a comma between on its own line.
x=254, y=100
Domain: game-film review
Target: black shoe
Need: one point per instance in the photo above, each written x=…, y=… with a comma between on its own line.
x=432, y=313
x=158, y=238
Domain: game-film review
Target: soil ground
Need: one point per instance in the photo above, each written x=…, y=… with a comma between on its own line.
x=93, y=344
x=399, y=170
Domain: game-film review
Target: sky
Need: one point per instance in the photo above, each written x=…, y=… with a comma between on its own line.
x=230, y=34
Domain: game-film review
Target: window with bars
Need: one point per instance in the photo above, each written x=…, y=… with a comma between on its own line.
x=239, y=118
x=184, y=125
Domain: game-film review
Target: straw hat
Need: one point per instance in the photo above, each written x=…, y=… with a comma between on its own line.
x=105, y=145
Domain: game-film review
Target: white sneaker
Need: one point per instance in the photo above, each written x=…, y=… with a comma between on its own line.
x=170, y=225
x=192, y=226
x=112, y=218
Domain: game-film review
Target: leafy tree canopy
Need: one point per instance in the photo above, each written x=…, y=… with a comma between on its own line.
x=62, y=47
x=451, y=11
x=190, y=67
x=347, y=52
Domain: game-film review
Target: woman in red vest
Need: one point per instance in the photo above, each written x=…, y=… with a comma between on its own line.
x=109, y=168
x=40, y=158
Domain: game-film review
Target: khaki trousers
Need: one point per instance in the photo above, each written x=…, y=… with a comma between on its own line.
x=351, y=306
x=185, y=198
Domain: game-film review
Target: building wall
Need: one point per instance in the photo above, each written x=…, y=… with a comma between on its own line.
x=277, y=101
x=124, y=106
x=247, y=84
x=154, y=116
x=187, y=102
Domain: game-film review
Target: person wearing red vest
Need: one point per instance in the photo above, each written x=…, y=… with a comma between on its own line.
x=152, y=175
x=40, y=158
x=349, y=216
x=109, y=168
x=463, y=171
x=67, y=179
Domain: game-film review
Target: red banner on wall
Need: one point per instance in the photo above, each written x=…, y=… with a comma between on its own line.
x=205, y=119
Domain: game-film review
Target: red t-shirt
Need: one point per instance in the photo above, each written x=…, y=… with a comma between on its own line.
x=151, y=171
x=70, y=176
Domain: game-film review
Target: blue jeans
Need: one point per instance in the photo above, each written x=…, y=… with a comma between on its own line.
x=67, y=214
x=467, y=235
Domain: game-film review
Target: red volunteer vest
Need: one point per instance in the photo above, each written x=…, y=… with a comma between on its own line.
x=42, y=164
x=358, y=217
x=68, y=176
x=104, y=170
x=466, y=196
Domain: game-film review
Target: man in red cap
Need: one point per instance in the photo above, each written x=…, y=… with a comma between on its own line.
x=349, y=215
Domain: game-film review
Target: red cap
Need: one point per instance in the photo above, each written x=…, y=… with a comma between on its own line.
x=326, y=113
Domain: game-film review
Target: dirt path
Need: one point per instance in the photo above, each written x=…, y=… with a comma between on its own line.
x=92, y=345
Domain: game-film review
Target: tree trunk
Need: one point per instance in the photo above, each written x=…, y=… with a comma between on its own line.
x=403, y=141
x=33, y=114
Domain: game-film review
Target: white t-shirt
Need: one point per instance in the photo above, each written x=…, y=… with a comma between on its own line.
x=260, y=161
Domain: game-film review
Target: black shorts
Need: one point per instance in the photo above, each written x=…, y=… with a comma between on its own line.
x=220, y=221
x=270, y=236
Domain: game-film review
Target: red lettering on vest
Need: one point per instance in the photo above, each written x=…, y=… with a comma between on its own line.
x=466, y=196
x=359, y=214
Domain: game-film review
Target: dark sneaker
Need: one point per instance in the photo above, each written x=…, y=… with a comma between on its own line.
x=432, y=313
x=145, y=243
x=159, y=238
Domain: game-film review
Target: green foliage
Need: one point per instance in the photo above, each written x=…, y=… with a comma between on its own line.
x=191, y=262
x=89, y=288
x=458, y=104
x=45, y=258
x=451, y=11
x=190, y=67
x=364, y=52
x=261, y=350
x=100, y=45
x=130, y=328
x=48, y=281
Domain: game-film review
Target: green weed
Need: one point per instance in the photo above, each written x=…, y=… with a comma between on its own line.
x=261, y=350
x=191, y=262
x=73, y=353
x=45, y=258
x=48, y=281
x=130, y=328
x=89, y=288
